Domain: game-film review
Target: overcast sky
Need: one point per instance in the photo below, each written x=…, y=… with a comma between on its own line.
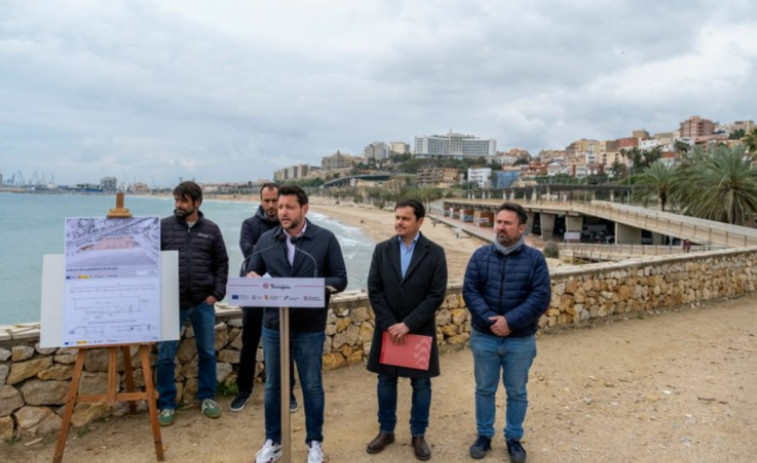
x=232, y=90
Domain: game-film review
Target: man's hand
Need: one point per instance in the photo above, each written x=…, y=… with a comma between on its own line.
x=253, y=275
x=500, y=326
x=397, y=332
x=211, y=300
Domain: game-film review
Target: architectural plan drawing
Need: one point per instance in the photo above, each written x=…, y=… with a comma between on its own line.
x=112, y=281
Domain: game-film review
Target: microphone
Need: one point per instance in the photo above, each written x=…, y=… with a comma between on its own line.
x=243, y=267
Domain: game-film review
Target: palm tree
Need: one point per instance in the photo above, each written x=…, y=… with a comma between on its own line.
x=659, y=180
x=718, y=185
x=750, y=141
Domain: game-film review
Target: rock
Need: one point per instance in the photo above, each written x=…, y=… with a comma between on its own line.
x=45, y=350
x=333, y=360
x=10, y=400
x=359, y=315
x=229, y=356
x=330, y=330
x=4, y=369
x=459, y=316
x=449, y=330
x=22, y=370
x=459, y=338
x=365, y=333
x=7, y=428
x=66, y=359
x=96, y=360
x=443, y=317
x=190, y=390
x=187, y=350
x=19, y=353
x=342, y=323
x=34, y=421
x=190, y=369
x=57, y=372
x=5, y=354
x=355, y=357
x=38, y=392
x=223, y=370
x=235, y=322
x=93, y=383
x=221, y=338
x=237, y=343
x=87, y=413
x=349, y=336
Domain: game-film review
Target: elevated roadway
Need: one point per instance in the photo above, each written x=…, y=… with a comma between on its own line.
x=629, y=220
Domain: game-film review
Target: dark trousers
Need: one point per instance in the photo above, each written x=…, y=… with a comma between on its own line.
x=252, y=325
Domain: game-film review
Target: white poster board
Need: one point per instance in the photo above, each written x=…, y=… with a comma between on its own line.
x=53, y=279
x=276, y=292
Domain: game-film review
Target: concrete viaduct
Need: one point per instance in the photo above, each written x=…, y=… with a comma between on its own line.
x=629, y=221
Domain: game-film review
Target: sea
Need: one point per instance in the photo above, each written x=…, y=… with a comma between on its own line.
x=32, y=225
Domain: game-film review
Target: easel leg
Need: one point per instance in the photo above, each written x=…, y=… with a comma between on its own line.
x=112, y=375
x=129, y=376
x=73, y=390
x=151, y=405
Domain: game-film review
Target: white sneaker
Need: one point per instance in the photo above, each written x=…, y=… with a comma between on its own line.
x=315, y=453
x=269, y=453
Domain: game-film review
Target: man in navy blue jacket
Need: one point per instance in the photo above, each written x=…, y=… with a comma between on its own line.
x=265, y=218
x=506, y=290
x=296, y=248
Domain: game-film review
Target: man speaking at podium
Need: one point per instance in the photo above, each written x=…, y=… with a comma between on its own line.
x=296, y=248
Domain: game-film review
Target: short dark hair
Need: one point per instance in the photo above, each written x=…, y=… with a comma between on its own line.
x=418, y=209
x=269, y=186
x=188, y=189
x=514, y=207
x=288, y=190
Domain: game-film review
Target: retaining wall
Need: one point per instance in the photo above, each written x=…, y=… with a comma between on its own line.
x=34, y=381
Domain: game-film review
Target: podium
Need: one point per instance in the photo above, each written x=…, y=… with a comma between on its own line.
x=272, y=292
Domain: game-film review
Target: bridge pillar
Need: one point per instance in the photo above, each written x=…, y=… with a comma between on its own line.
x=530, y=223
x=547, y=226
x=626, y=234
x=612, y=196
x=573, y=223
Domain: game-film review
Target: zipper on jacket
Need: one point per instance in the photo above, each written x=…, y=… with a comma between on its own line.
x=502, y=286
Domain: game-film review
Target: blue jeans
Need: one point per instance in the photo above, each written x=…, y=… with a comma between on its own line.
x=387, y=403
x=512, y=356
x=203, y=318
x=307, y=350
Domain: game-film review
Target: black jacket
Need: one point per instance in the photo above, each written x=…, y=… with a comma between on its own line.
x=318, y=255
x=203, y=262
x=252, y=229
x=413, y=300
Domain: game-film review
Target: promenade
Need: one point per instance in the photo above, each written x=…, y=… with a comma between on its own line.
x=676, y=386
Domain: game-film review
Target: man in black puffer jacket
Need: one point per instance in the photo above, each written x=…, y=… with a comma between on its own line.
x=203, y=271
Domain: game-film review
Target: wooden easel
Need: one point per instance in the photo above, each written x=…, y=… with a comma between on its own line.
x=111, y=397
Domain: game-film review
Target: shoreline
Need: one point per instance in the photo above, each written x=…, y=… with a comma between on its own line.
x=378, y=225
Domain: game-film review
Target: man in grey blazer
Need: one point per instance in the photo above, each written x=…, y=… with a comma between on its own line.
x=407, y=283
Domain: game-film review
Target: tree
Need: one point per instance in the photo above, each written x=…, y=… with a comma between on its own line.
x=618, y=169
x=750, y=141
x=718, y=185
x=659, y=180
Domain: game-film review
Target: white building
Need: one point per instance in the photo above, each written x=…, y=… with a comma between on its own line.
x=454, y=145
x=377, y=150
x=482, y=176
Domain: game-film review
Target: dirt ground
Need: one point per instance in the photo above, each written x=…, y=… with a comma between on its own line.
x=676, y=386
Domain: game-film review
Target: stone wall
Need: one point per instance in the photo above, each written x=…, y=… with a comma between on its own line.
x=34, y=381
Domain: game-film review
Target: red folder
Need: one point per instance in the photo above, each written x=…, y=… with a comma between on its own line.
x=415, y=353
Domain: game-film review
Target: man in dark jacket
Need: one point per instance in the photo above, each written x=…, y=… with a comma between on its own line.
x=265, y=218
x=406, y=285
x=203, y=271
x=506, y=290
x=296, y=248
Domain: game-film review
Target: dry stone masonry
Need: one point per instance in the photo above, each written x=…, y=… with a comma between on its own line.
x=34, y=381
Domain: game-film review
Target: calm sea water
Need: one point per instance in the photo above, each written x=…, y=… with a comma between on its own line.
x=31, y=225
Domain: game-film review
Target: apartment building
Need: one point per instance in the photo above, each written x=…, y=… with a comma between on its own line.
x=695, y=126
x=454, y=145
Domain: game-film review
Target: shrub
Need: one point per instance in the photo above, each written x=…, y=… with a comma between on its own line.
x=551, y=250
